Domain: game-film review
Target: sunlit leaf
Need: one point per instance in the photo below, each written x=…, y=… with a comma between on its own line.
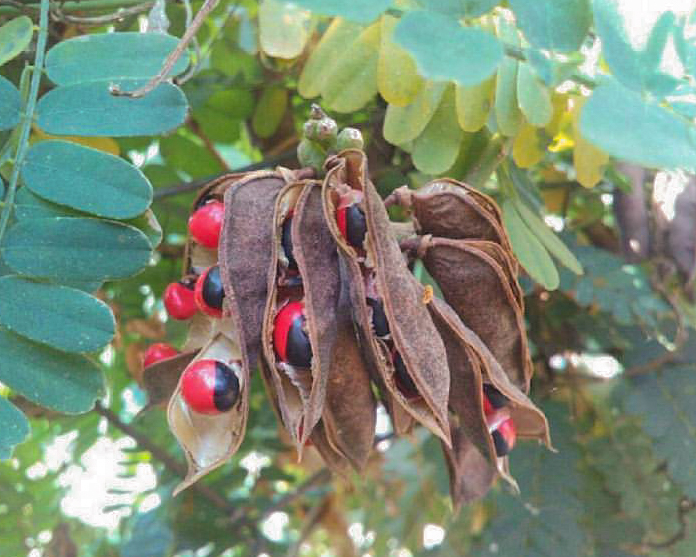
x=437, y=147
x=507, y=111
x=443, y=49
x=15, y=36
x=528, y=146
x=559, y=25
x=284, y=29
x=474, y=104
x=460, y=8
x=403, y=124
x=620, y=122
x=533, y=97
x=362, y=11
x=397, y=76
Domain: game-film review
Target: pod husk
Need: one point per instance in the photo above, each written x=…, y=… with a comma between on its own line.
x=209, y=440
x=160, y=379
x=349, y=407
x=404, y=298
x=478, y=287
x=334, y=460
x=451, y=209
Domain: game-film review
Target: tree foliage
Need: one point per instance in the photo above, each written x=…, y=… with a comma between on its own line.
x=584, y=135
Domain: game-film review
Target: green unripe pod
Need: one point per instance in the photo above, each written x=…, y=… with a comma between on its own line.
x=311, y=154
x=349, y=138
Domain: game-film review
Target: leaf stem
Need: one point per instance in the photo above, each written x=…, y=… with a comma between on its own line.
x=27, y=118
x=72, y=6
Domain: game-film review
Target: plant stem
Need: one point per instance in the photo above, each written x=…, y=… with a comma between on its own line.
x=28, y=117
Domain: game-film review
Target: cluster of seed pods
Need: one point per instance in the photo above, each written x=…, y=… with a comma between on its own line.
x=308, y=281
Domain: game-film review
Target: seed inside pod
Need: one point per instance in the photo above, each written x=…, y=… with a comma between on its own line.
x=157, y=352
x=209, y=292
x=403, y=379
x=290, y=338
x=504, y=437
x=211, y=386
x=379, y=318
x=286, y=242
x=180, y=300
x=494, y=396
x=351, y=223
x=205, y=223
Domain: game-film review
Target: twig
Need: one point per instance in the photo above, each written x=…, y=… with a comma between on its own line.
x=12, y=6
x=28, y=117
x=197, y=184
x=209, y=145
x=170, y=463
x=191, y=30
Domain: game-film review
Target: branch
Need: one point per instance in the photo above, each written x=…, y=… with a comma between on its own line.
x=170, y=463
x=27, y=118
x=70, y=6
x=197, y=184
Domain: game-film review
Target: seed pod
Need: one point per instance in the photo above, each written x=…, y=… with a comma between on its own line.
x=158, y=352
x=160, y=379
x=349, y=138
x=475, y=279
x=451, y=209
x=412, y=330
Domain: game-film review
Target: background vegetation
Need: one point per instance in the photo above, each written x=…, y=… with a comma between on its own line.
x=581, y=129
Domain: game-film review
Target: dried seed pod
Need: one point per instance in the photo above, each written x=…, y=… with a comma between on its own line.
x=209, y=440
x=475, y=279
x=451, y=209
x=380, y=265
x=160, y=379
x=349, y=412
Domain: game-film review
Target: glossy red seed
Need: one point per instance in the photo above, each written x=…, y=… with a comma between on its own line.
x=351, y=223
x=157, y=352
x=504, y=437
x=487, y=406
x=209, y=293
x=179, y=301
x=205, y=223
x=290, y=340
x=210, y=386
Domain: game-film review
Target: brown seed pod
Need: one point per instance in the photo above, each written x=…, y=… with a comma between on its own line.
x=477, y=280
x=160, y=379
x=349, y=407
x=379, y=266
x=451, y=209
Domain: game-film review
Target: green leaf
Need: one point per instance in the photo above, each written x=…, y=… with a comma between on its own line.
x=546, y=518
x=548, y=238
x=15, y=36
x=507, y=111
x=622, y=59
x=559, y=25
x=64, y=318
x=14, y=428
x=284, y=28
x=665, y=402
x=269, y=110
x=445, y=50
x=151, y=537
x=86, y=179
x=30, y=206
x=66, y=248
x=111, y=56
x=89, y=109
x=528, y=249
x=533, y=97
x=621, y=123
x=182, y=153
x=322, y=60
x=10, y=105
x=404, y=123
x=353, y=82
x=458, y=9
x=362, y=11
x=397, y=76
x=474, y=104
x=436, y=149
x=149, y=225
x=63, y=382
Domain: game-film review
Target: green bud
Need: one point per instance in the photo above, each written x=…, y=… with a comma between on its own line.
x=349, y=138
x=311, y=154
x=322, y=131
